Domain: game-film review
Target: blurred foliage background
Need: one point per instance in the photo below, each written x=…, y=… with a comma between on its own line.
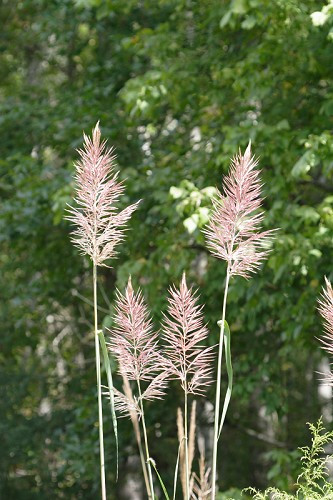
x=179, y=86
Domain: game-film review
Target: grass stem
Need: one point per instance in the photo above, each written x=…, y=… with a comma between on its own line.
x=150, y=475
x=187, y=471
x=218, y=388
x=99, y=388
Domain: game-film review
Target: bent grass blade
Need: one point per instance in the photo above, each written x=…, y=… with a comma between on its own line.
x=108, y=371
x=152, y=462
x=227, y=339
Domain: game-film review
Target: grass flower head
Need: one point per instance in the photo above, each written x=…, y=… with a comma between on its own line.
x=326, y=310
x=135, y=346
x=99, y=225
x=183, y=332
x=234, y=231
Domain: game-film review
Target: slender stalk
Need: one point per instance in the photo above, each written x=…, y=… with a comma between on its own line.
x=99, y=388
x=218, y=387
x=187, y=471
x=152, y=496
x=135, y=422
x=144, y=466
x=176, y=469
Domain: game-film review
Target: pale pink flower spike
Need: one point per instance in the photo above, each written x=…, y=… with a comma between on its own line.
x=233, y=233
x=183, y=331
x=135, y=346
x=326, y=310
x=99, y=226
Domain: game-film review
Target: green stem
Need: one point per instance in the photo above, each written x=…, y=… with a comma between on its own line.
x=144, y=468
x=187, y=471
x=218, y=388
x=146, y=444
x=99, y=388
x=160, y=479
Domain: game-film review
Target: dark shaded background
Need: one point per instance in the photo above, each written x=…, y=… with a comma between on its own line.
x=178, y=86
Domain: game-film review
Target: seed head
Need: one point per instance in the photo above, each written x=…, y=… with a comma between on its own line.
x=325, y=308
x=234, y=230
x=135, y=345
x=99, y=225
x=183, y=331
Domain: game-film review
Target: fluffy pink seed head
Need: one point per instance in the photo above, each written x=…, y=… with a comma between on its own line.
x=183, y=331
x=234, y=230
x=325, y=307
x=99, y=225
x=133, y=340
x=135, y=345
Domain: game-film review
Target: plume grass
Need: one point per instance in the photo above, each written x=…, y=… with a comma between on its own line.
x=234, y=234
x=185, y=358
x=325, y=306
x=99, y=228
x=134, y=344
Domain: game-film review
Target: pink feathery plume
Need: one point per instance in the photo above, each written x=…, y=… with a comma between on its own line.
x=134, y=344
x=183, y=331
x=99, y=226
x=233, y=233
x=326, y=310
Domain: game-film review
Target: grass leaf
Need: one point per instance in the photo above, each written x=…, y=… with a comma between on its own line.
x=150, y=460
x=176, y=470
x=229, y=372
x=108, y=371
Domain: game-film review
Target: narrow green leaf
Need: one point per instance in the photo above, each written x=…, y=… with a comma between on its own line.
x=108, y=371
x=229, y=372
x=176, y=470
x=150, y=460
